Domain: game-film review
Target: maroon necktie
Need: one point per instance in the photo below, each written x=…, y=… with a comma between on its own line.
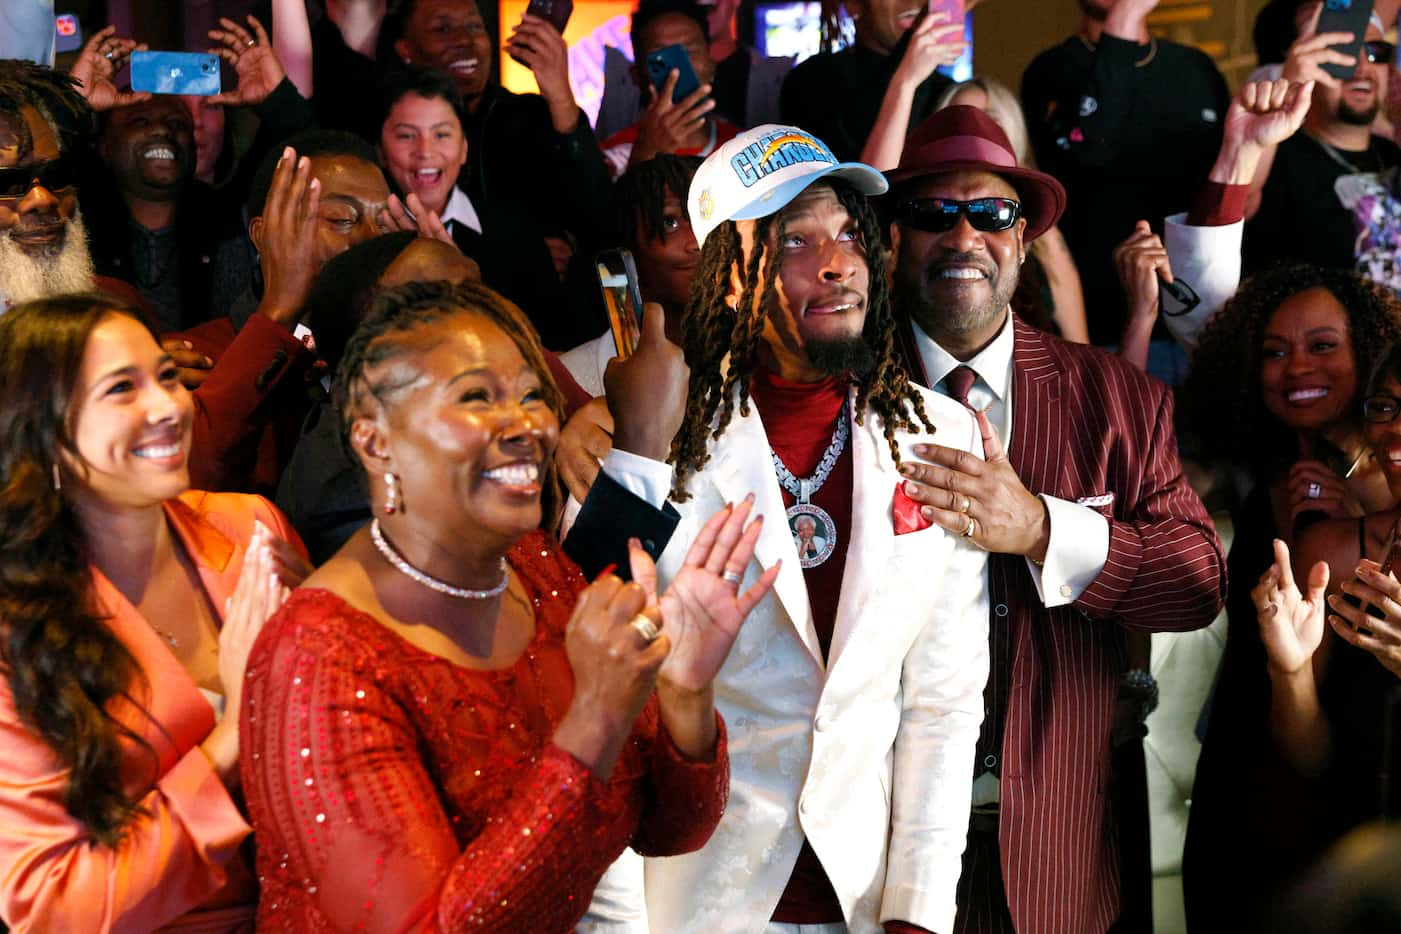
x=959, y=382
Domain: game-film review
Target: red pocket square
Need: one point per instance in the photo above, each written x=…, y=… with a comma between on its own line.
x=905, y=512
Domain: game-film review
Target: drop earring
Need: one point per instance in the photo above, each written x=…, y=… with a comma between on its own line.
x=58, y=478
x=391, y=499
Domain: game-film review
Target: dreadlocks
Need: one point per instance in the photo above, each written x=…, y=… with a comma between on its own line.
x=642, y=190
x=714, y=330
x=53, y=93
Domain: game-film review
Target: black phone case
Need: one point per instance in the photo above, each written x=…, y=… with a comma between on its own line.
x=1349, y=16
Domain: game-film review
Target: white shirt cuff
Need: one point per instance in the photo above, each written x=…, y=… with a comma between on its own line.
x=1208, y=258
x=1077, y=552
x=648, y=479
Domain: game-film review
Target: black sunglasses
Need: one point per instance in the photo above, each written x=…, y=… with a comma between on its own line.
x=940, y=215
x=1378, y=50
x=1381, y=409
x=1182, y=293
x=55, y=175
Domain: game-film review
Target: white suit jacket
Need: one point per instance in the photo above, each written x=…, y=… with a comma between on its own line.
x=869, y=757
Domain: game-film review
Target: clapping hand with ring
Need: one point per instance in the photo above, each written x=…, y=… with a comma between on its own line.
x=704, y=608
x=979, y=499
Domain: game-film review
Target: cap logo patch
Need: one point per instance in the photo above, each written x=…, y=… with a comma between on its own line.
x=707, y=205
x=770, y=154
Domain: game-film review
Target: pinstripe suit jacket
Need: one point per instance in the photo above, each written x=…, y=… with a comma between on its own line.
x=1086, y=424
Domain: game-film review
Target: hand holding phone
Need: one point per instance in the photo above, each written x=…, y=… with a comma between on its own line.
x=660, y=65
x=1349, y=17
x=622, y=297
x=523, y=42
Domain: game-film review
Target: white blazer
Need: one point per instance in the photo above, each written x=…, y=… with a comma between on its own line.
x=869, y=758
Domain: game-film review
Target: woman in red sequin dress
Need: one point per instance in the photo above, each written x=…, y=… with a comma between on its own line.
x=447, y=728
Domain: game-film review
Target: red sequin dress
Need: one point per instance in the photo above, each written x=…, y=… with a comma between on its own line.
x=393, y=790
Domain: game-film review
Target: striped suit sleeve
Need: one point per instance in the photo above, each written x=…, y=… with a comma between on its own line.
x=1166, y=569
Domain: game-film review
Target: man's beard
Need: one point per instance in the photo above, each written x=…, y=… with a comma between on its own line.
x=842, y=355
x=1358, y=117
x=24, y=277
x=912, y=297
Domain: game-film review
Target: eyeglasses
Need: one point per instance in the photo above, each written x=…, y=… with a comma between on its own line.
x=940, y=215
x=55, y=175
x=1378, y=50
x=1381, y=409
x=1185, y=297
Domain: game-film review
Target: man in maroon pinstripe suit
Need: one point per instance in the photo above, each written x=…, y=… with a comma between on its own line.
x=1082, y=501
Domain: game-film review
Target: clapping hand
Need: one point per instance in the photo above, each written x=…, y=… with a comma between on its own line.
x=1291, y=623
x=706, y=604
x=1381, y=637
x=104, y=55
x=285, y=235
x=410, y=214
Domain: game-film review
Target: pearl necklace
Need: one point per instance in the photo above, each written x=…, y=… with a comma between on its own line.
x=427, y=580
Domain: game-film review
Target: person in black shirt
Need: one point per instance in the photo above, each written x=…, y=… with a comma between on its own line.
x=1330, y=195
x=1130, y=125
x=837, y=95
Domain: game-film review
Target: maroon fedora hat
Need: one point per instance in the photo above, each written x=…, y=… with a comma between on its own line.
x=965, y=138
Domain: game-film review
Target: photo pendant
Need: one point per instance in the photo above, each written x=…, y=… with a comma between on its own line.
x=814, y=533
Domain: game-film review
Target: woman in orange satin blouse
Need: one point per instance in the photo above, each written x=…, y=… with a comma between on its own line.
x=128, y=605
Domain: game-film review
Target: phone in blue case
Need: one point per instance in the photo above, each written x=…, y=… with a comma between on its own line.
x=659, y=66
x=175, y=73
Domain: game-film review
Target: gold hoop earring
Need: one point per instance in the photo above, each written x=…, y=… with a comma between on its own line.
x=391, y=499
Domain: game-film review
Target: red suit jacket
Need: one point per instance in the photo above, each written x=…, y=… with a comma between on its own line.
x=1086, y=424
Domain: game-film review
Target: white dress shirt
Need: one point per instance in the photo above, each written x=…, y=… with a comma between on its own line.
x=1079, y=543
x=460, y=210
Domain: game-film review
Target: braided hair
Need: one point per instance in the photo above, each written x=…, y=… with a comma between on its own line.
x=53, y=93
x=64, y=666
x=715, y=331
x=386, y=333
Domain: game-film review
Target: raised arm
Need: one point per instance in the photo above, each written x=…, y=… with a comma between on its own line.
x=934, y=41
x=291, y=38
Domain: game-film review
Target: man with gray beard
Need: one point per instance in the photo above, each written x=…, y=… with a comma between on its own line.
x=43, y=245
x=1330, y=197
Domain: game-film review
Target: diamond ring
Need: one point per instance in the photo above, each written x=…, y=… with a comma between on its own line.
x=1314, y=491
x=645, y=628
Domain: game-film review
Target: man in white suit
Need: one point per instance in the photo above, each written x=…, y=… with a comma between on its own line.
x=853, y=695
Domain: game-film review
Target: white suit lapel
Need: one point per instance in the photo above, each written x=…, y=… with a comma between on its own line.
x=741, y=464
x=872, y=529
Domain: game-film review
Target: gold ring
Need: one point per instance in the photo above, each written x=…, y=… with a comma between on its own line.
x=965, y=505
x=972, y=524
x=645, y=628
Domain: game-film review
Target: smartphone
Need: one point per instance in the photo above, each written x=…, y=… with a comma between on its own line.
x=557, y=12
x=68, y=33
x=617, y=277
x=1391, y=556
x=659, y=66
x=175, y=73
x=1350, y=16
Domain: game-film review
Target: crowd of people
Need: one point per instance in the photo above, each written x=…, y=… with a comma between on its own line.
x=355, y=576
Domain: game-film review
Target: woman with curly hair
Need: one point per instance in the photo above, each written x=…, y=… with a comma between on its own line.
x=1273, y=401
x=128, y=605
